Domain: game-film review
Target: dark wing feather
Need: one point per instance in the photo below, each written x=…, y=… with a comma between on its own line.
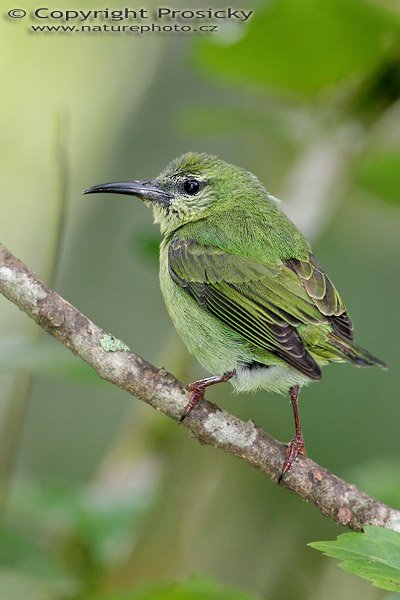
x=323, y=293
x=248, y=297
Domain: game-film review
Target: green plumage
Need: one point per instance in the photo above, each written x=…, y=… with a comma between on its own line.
x=239, y=279
x=241, y=284
x=241, y=263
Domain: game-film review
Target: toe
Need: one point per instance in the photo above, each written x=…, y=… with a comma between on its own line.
x=295, y=447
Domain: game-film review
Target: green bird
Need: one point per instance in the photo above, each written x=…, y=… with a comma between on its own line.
x=241, y=284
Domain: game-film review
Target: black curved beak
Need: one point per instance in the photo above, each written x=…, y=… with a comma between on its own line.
x=146, y=190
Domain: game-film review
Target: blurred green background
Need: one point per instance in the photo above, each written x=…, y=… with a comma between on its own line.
x=99, y=496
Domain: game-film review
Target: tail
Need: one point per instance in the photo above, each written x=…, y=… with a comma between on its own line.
x=356, y=354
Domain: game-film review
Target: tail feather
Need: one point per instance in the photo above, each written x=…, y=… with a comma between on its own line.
x=359, y=356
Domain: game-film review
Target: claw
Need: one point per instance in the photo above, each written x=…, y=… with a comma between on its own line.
x=197, y=389
x=196, y=394
x=295, y=447
x=183, y=416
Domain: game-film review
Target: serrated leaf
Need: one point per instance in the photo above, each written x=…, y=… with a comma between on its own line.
x=373, y=555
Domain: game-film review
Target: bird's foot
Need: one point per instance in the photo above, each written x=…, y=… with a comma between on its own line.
x=295, y=447
x=196, y=390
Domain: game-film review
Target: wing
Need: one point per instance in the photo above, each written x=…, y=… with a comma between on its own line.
x=264, y=304
x=323, y=294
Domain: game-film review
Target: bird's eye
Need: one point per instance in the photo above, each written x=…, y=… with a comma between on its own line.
x=191, y=186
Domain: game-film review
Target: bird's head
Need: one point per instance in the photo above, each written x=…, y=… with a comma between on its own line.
x=191, y=188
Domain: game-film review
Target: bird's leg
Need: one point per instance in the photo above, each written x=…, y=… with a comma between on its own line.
x=296, y=445
x=197, y=389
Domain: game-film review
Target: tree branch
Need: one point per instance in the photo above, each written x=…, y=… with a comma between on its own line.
x=113, y=361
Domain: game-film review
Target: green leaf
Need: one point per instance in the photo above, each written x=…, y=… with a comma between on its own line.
x=303, y=46
x=372, y=555
x=379, y=173
x=196, y=588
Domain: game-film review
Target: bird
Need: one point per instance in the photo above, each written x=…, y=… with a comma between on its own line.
x=242, y=285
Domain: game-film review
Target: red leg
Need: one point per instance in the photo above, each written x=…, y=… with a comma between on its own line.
x=296, y=446
x=197, y=389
